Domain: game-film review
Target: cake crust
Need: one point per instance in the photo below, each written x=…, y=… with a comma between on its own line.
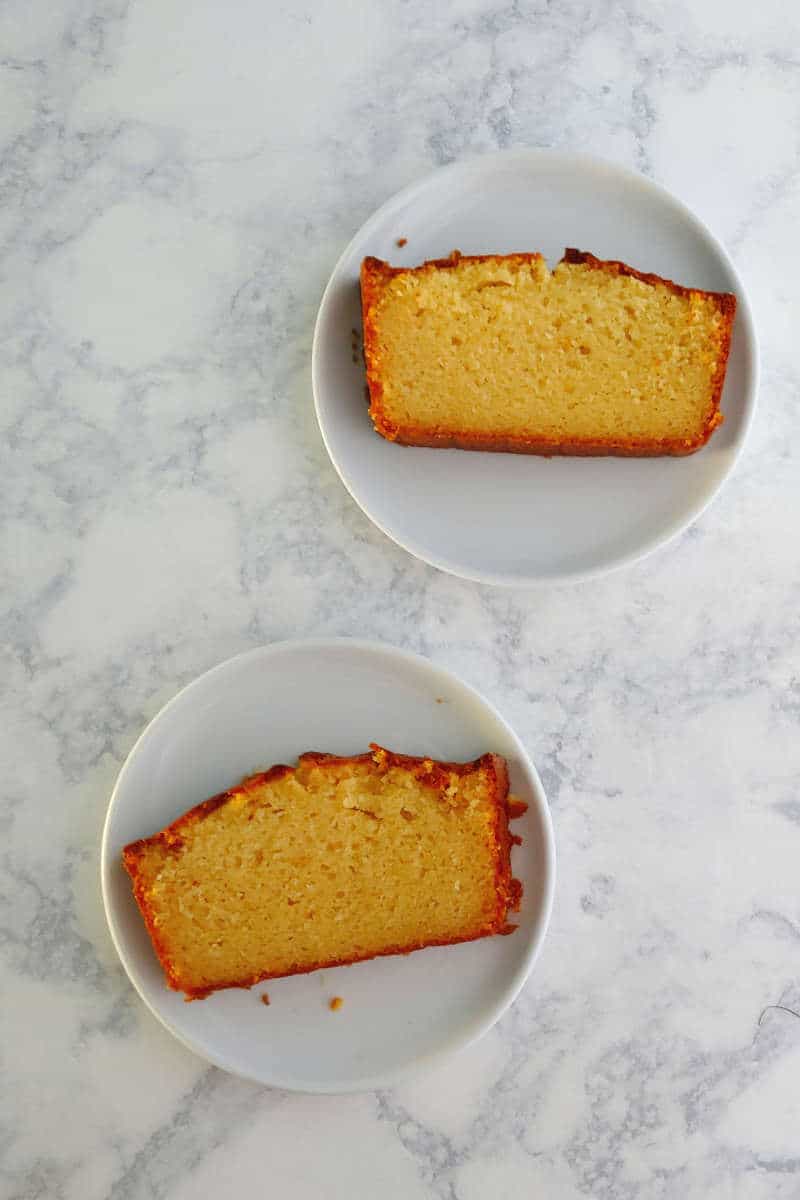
x=376, y=274
x=507, y=890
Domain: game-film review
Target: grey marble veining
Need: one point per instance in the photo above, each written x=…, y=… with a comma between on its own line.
x=177, y=182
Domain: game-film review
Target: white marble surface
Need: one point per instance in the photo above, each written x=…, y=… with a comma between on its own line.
x=177, y=181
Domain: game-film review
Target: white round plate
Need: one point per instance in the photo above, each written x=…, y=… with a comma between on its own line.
x=268, y=706
x=518, y=519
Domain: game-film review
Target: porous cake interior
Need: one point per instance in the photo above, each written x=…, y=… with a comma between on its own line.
x=510, y=346
x=321, y=865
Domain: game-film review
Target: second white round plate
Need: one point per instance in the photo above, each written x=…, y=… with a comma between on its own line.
x=268, y=706
x=518, y=519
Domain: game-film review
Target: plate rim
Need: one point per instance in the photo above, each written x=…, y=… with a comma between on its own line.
x=744, y=316
x=421, y=1062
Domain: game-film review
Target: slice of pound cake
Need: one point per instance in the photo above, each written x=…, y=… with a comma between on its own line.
x=498, y=352
x=329, y=862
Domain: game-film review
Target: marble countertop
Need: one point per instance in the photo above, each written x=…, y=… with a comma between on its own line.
x=178, y=181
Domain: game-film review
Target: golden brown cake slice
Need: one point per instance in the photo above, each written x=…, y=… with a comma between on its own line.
x=497, y=352
x=336, y=860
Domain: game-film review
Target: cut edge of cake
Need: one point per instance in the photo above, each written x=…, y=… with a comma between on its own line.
x=507, y=889
x=374, y=275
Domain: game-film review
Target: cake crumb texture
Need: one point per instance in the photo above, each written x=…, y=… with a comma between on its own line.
x=498, y=352
x=336, y=860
